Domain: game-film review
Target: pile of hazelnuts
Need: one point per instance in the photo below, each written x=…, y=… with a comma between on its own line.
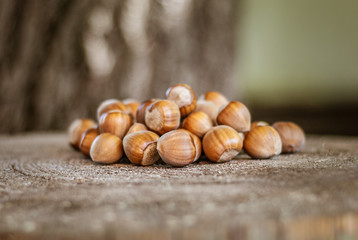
x=178, y=128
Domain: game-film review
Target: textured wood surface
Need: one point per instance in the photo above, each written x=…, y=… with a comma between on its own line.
x=48, y=191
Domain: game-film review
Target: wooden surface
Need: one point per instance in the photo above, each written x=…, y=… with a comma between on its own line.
x=48, y=191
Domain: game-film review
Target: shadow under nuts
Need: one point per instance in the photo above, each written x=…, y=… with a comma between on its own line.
x=222, y=143
x=236, y=115
x=106, y=148
x=141, y=147
x=184, y=96
x=179, y=147
x=162, y=116
x=292, y=136
x=263, y=142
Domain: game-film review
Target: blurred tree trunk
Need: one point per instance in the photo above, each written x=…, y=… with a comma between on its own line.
x=60, y=58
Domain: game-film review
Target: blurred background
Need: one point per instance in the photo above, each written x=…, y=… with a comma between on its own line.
x=287, y=60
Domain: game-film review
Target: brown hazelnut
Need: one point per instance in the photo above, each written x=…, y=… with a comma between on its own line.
x=115, y=122
x=263, y=142
x=77, y=128
x=179, y=147
x=136, y=127
x=106, y=148
x=209, y=108
x=292, y=136
x=236, y=115
x=141, y=147
x=140, y=115
x=109, y=105
x=222, y=143
x=217, y=98
x=198, y=123
x=87, y=139
x=162, y=116
x=132, y=106
x=184, y=96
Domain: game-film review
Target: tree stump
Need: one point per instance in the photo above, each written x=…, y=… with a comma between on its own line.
x=49, y=191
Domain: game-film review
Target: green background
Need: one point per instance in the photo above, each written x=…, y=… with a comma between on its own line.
x=301, y=53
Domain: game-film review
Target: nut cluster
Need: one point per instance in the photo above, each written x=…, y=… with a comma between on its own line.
x=179, y=130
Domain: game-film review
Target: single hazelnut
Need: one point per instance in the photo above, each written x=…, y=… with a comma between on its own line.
x=131, y=105
x=136, y=127
x=198, y=123
x=184, y=96
x=217, y=98
x=236, y=115
x=162, y=116
x=209, y=108
x=115, y=122
x=109, y=105
x=292, y=136
x=141, y=147
x=179, y=147
x=140, y=115
x=87, y=139
x=262, y=142
x=106, y=148
x=222, y=143
x=77, y=128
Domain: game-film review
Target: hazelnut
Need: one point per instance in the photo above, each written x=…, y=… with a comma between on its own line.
x=263, y=142
x=109, y=105
x=222, y=143
x=136, y=127
x=215, y=97
x=162, y=116
x=236, y=115
x=115, y=122
x=198, y=123
x=209, y=108
x=179, y=147
x=77, y=128
x=141, y=147
x=87, y=139
x=184, y=96
x=106, y=148
x=140, y=115
x=292, y=136
x=131, y=105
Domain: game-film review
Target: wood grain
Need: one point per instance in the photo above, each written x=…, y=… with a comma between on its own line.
x=49, y=191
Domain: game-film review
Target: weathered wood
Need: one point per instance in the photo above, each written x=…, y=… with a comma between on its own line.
x=49, y=191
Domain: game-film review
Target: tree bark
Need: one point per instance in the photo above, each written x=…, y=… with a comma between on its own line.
x=60, y=58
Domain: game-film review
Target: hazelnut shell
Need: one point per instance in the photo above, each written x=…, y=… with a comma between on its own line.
x=141, y=147
x=263, y=142
x=292, y=136
x=222, y=143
